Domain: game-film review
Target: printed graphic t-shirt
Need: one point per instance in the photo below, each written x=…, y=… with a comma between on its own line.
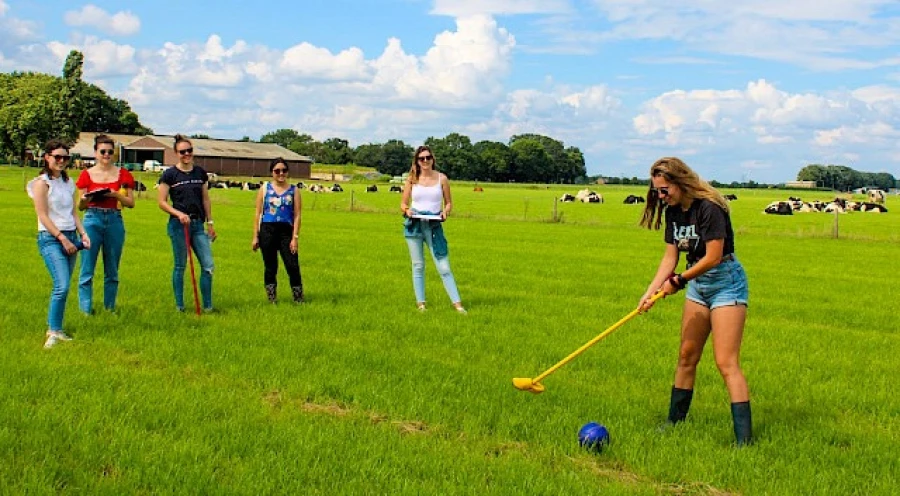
x=186, y=190
x=125, y=180
x=703, y=221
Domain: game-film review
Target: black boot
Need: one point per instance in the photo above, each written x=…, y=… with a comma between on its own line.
x=271, y=292
x=298, y=293
x=743, y=424
x=679, y=404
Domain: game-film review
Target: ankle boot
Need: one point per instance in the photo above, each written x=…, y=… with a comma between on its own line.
x=271, y=292
x=679, y=404
x=298, y=293
x=743, y=424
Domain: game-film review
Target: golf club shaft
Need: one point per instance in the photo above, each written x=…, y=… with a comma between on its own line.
x=594, y=341
x=187, y=241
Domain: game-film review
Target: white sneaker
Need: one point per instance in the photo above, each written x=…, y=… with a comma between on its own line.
x=54, y=337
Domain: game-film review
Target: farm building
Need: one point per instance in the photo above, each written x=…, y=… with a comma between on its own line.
x=223, y=157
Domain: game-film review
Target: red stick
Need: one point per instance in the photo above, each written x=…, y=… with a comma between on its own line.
x=187, y=241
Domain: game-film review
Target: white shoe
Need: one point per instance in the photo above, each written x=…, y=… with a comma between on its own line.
x=54, y=337
x=461, y=310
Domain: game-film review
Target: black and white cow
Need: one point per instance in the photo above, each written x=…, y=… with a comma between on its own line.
x=337, y=188
x=372, y=189
x=566, y=198
x=872, y=207
x=139, y=186
x=731, y=197
x=779, y=208
x=633, y=200
x=396, y=189
x=592, y=198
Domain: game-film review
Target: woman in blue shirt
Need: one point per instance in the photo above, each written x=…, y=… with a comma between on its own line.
x=277, y=230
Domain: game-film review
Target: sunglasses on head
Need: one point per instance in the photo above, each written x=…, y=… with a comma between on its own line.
x=664, y=191
x=425, y=158
x=60, y=158
x=279, y=171
x=105, y=152
x=186, y=151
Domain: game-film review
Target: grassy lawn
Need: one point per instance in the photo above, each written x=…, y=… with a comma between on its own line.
x=358, y=393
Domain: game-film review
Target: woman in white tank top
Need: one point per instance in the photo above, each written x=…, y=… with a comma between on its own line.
x=426, y=204
x=60, y=232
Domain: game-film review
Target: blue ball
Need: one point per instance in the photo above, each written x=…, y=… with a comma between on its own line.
x=593, y=437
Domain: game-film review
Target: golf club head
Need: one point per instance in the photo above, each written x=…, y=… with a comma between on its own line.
x=526, y=384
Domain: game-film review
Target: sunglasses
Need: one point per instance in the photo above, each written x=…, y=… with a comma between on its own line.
x=105, y=152
x=664, y=191
x=186, y=151
x=425, y=158
x=61, y=158
x=279, y=171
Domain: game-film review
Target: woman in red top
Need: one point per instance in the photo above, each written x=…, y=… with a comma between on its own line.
x=104, y=187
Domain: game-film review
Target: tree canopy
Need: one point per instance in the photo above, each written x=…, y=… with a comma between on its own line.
x=844, y=178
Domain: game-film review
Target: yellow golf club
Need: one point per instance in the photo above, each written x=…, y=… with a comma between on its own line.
x=535, y=386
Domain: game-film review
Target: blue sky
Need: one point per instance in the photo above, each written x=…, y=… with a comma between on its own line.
x=749, y=91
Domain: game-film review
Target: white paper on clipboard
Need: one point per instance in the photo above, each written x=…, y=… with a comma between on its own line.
x=426, y=217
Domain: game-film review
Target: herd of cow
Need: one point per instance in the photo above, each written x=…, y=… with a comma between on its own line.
x=838, y=205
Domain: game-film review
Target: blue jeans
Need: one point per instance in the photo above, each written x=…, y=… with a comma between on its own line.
x=723, y=285
x=417, y=254
x=61, y=266
x=201, y=245
x=107, y=232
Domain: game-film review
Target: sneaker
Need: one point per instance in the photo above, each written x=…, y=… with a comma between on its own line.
x=421, y=307
x=54, y=337
x=461, y=310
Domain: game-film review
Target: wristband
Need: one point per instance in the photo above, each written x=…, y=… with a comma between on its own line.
x=678, y=281
x=209, y=222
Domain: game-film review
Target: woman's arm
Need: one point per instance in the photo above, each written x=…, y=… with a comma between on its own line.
x=41, y=190
x=405, y=198
x=254, y=243
x=666, y=267
x=127, y=200
x=298, y=206
x=207, y=208
x=79, y=226
x=448, y=200
x=714, y=249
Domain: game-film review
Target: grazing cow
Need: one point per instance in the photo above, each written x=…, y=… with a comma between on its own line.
x=592, y=198
x=731, y=197
x=834, y=207
x=779, y=208
x=139, y=186
x=875, y=196
x=248, y=186
x=582, y=193
x=633, y=200
x=337, y=188
x=396, y=189
x=478, y=189
x=234, y=184
x=300, y=185
x=566, y=198
x=872, y=207
x=372, y=189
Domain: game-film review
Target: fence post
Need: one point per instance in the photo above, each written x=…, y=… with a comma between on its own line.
x=555, y=216
x=351, y=200
x=834, y=230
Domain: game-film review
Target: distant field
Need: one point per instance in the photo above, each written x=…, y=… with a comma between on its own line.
x=358, y=393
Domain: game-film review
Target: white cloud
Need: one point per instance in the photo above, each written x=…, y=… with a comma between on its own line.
x=122, y=23
x=4, y=8
x=308, y=61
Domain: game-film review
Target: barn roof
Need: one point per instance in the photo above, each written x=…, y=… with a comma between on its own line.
x=202, y=147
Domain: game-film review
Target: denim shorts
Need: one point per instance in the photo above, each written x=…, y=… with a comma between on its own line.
x=723, y=285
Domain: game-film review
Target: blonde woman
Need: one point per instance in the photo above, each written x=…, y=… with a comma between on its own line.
x=698, y=224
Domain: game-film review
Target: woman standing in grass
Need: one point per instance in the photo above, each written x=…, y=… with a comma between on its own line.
x=187, y=185
x=427, y=193
x=60, y=233
x=277, y=229
x=103, y=222
x=698, y=223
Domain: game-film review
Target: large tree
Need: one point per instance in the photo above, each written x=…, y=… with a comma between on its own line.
x=284, y=137
x=70, y=108
x=454, y=155
x=28, y=104
x=397, y=157
x=495, y=161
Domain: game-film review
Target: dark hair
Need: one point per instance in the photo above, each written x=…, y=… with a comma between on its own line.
x=179, y=138
x=54, y=144
x=102, y=139
x=415, y=169
x=276, y=161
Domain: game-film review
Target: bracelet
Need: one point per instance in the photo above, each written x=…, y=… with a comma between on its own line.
x=678, y=281
x=209, y=222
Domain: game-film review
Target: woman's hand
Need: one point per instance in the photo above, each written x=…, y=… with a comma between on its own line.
x=68, y=246
x=254, y=245
x=86, y=241
x=211, y=232
x=647, y=300
x=294, y=246
x=184, y=218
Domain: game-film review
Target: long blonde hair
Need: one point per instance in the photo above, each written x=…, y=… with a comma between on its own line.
x=676, y=172
x=416, y=169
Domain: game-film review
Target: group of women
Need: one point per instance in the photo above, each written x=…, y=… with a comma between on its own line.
x=696, y=216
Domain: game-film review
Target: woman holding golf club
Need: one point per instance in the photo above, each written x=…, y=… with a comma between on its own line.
x=277, y=230
x=104, y=189
x=187, y=185
x=426, y=203
x=60, y=232
x=698, y=224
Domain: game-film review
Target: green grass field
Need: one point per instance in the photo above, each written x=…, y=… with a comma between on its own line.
x=358, y=393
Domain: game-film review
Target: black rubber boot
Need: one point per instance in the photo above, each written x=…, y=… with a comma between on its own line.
x=679, y=404
x=271, y=292
x=743, y=424
x=298, y=294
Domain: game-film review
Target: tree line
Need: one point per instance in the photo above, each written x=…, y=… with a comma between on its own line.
x=530, y=158
x=36, y=107
x=843, y=178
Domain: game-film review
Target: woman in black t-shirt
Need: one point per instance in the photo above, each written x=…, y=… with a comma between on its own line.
x=187, y=185
x=698, y=224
